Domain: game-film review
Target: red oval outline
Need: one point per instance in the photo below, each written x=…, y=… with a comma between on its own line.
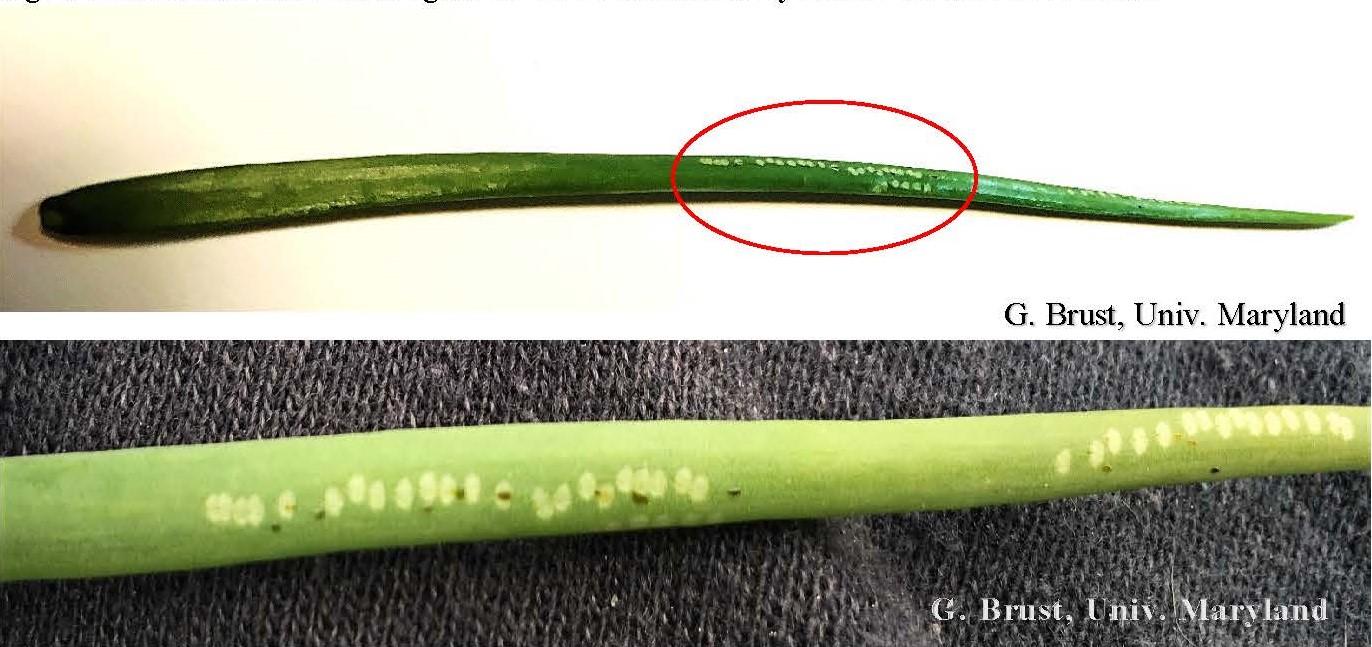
x=676, y=190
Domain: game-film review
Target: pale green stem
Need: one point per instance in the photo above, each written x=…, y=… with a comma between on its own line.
x=168, y=508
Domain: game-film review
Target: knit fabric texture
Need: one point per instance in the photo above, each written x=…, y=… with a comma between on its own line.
x=856, y=581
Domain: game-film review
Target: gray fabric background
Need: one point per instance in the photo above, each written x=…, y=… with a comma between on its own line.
x=866, y=581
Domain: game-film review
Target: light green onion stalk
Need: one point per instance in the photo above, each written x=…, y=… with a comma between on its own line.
x=127, y=511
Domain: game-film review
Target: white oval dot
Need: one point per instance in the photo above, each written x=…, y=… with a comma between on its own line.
x=471, y=488
x=585, y=486
x=404, y=494
x=285, y=505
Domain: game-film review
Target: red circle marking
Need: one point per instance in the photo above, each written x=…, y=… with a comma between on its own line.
x=676, y=190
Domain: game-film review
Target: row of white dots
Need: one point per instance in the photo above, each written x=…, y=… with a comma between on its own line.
x=1225, y=424
x=429, y=489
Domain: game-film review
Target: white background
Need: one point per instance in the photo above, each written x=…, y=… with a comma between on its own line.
x=1244, y=103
